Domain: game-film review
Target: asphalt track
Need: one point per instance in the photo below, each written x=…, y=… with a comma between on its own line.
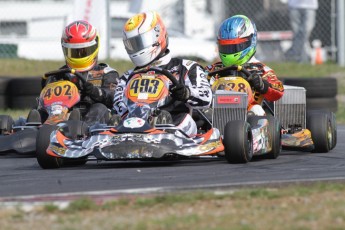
x=22, y=176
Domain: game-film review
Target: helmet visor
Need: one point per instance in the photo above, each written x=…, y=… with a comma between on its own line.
x=140, y=42
x=80, y=50
x=233, y=46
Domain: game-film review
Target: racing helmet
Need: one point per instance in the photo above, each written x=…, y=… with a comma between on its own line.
x=80, y=45
x=237, y=38
x=145, y=38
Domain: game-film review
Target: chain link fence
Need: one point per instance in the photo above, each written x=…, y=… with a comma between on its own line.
x=32, y=28
x=274, y=26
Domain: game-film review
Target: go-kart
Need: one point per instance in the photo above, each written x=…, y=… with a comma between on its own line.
x=147, y=132
x=57, y=98
x=312, y=130
x=259, y=135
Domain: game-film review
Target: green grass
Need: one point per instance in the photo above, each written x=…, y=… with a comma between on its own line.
x=287, y=69
x=23, y=67
x=295, y=206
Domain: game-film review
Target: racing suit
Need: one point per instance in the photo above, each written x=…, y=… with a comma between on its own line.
x=187, y=72
x=97, y=97
x=273, y=87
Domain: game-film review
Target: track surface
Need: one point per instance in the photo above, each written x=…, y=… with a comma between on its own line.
x=21, y=175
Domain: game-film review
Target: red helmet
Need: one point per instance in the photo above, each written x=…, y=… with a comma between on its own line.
x=80, y=45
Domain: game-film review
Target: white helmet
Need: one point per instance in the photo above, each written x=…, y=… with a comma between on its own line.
x=145, y=37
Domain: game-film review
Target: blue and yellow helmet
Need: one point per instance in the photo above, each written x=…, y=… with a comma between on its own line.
x=237, y=38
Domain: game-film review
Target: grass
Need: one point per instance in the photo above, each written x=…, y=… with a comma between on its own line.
x=309, y=206
x=23, y=67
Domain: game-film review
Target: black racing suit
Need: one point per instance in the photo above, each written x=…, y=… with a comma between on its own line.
x=94, y=105
x=189, y=73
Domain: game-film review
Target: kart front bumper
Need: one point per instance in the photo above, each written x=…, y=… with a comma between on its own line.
x=135, y=146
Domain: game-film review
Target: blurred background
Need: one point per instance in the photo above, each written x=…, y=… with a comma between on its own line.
x=31, y=29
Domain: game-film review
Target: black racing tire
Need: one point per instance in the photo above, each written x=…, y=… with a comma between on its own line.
x=275, y=136
x=24, y=86
x=333, y=122
x=316, y=87
x=321, y=131
x=114, y=120
x=23, y=102
x=6, y=124
x=4, y=81
x=330, y=104
x=3, y=92
x=164, y=118
x=3, y=102
x=42, y=142
x=238, y=142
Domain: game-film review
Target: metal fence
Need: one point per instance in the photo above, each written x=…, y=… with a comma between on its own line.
x=275, y=32
x=32, y=28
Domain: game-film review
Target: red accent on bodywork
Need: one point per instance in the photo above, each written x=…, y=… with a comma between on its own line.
x=228, y=100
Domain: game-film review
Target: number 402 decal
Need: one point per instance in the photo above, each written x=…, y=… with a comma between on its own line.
x=58, y=91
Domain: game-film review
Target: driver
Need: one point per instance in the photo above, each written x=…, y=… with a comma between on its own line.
x=146, y=41
x=237, y=38
x=80, y=45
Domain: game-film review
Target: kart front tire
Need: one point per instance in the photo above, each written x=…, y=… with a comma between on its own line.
x=238, y=142
x=164, y=118
x=322, y=134
x=42, y=142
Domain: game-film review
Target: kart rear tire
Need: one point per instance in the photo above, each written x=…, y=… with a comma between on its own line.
x=320, y=127
x=274, y=131
x=6, y=124
x=42, y=142
x=238, y=142
x=333, y=122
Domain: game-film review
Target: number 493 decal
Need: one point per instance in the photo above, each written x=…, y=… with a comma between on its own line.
x=152, y=88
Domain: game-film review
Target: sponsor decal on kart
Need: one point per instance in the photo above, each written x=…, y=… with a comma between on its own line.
x=134, y=122
x=228, y=99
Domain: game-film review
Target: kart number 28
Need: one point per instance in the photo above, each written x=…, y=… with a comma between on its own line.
x=239, y=87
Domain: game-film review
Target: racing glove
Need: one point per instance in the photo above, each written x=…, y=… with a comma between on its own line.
x=91, y=90
x=258, y=83
x=180, y=92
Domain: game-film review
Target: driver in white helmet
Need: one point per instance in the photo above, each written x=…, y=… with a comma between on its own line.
x=146, y=41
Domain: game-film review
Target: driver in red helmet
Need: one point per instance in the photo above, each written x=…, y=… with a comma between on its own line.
x=146, y=42
x=80, y=45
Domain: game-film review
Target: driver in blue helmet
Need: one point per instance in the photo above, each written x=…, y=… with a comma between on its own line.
x=237, y=40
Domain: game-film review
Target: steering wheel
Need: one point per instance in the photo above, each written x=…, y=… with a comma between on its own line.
x=164, y=72
x=224, y=72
